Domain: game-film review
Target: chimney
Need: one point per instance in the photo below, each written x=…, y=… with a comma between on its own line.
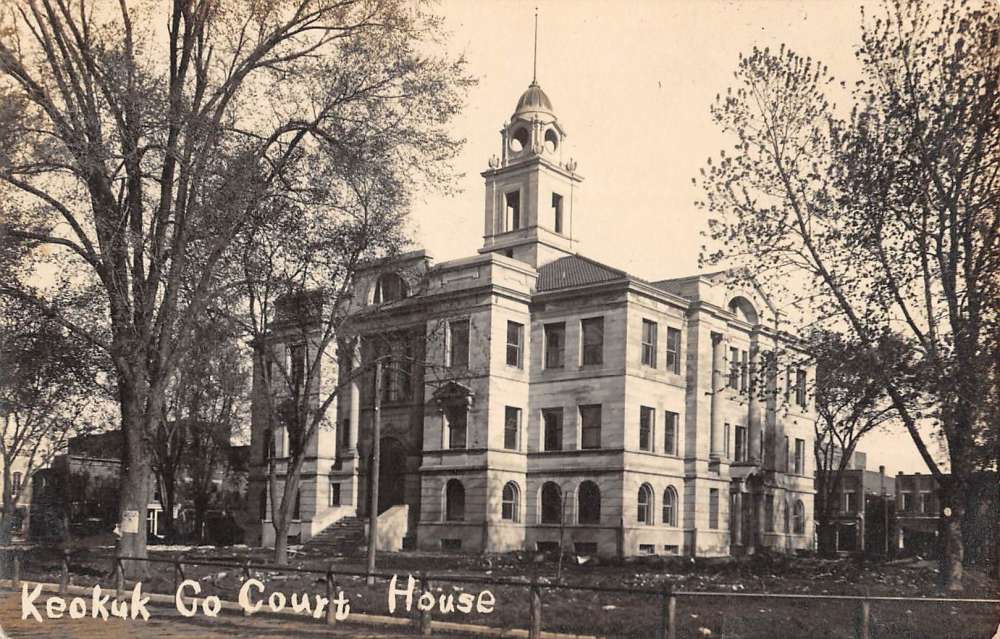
x=881, y=470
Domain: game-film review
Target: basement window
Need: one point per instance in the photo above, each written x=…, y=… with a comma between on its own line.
x=451, y=544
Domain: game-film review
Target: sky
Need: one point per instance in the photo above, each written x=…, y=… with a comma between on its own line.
x=632, y=83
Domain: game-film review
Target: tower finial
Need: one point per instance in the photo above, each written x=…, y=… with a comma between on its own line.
x=534, y=69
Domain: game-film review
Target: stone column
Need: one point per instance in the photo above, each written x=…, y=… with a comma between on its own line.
x=753, y=399
x=718, y=369
x=355, y=407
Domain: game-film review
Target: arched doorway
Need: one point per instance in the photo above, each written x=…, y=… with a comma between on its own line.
x=392, y=473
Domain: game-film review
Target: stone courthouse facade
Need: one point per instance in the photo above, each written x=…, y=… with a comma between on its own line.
x=540, y=398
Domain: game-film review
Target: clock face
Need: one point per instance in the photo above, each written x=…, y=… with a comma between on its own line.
x=947, y=511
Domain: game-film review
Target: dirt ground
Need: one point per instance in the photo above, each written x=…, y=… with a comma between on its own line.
x=731, y=612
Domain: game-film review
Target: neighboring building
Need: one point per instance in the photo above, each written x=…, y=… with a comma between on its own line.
x=559, y=387
x=78, y=495
x=864, y=507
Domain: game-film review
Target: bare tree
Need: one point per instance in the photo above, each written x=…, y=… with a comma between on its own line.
x=46, y=386
x=850, y=403
x=885, y=221
x=136, y=142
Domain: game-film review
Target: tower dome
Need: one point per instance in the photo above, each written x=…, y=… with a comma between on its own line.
x=533, y=100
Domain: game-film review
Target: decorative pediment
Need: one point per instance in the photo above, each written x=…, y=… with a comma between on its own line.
x=453, y=394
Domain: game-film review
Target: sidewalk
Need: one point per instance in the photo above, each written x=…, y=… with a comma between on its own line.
x=164, y=621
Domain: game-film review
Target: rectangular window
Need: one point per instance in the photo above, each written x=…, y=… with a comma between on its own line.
x=800, y=388
x=593, y=341
x=552, y=421
x=555, y=344
x=646, y=417
x=590, y=426
x=850, y=501
x=511, y=427
x=334, y=494
x=800, y=457
x=925, y=503
x=647, y=549
x=734, y=368
x=670, y=433
x=788, y=452
x=557, y=212
x=297, y=366
x=458, y=418
x=513, y=212
x=649, y=343
x=458, y=343
x=906, y=504
x=769, y=513
x=725, y=440
x=15, y=484
x=585, y=547
x=515, y=344
x=742, y=443
x=345, y=433
x=451, y=544
x=713, y=508
x=673, y=350
x=744, y=370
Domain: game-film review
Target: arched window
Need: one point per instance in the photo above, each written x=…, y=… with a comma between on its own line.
x=390, y=287
x=590, y=503
x=645, y=510
x=799, y=517
x=551, y=503
x=670, y=506
x=454, y=509
x=509, y=502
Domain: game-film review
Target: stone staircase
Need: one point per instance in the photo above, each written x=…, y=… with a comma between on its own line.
x=346, y=536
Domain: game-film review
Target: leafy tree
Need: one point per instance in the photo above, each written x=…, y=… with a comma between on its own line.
x=884, y=221
x=850, y=402
x=46, y=387
x=137, y=142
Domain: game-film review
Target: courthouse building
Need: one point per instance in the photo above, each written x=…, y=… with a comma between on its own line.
x=539, y=398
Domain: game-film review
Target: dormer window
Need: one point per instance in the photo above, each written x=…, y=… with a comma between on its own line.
x=513, y=210
x=390, y=287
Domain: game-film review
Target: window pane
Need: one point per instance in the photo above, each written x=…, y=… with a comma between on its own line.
x=455, y=501
x=670, y=433
x=593, y=340
x=459, y=338
x=673, y=350
x=734, y=368
x=555, y=345
x=512, y=422
x=553, y=418
x=713, y=508
x=590, y=426
x=590, y=503
x=645, y=428
x=551, y=503
x=457, y=423
x=649, y=343
x=515, y=340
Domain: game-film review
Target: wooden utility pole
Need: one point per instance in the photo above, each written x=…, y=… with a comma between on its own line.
x=374, y=472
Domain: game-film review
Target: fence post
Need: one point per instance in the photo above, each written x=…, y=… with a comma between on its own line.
x=17, y=569
x=64, y=577
x=425, y=615
x=864, y=616
x=671, y=629
x=177, y=573
x=331, y=592
x=535, y=629
x=120, y=578
x=668, y=603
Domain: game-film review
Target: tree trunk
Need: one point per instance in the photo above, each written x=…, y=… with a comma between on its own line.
x=280, y=544
x=953, y=549
x=134, y=483
x=167, y=491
